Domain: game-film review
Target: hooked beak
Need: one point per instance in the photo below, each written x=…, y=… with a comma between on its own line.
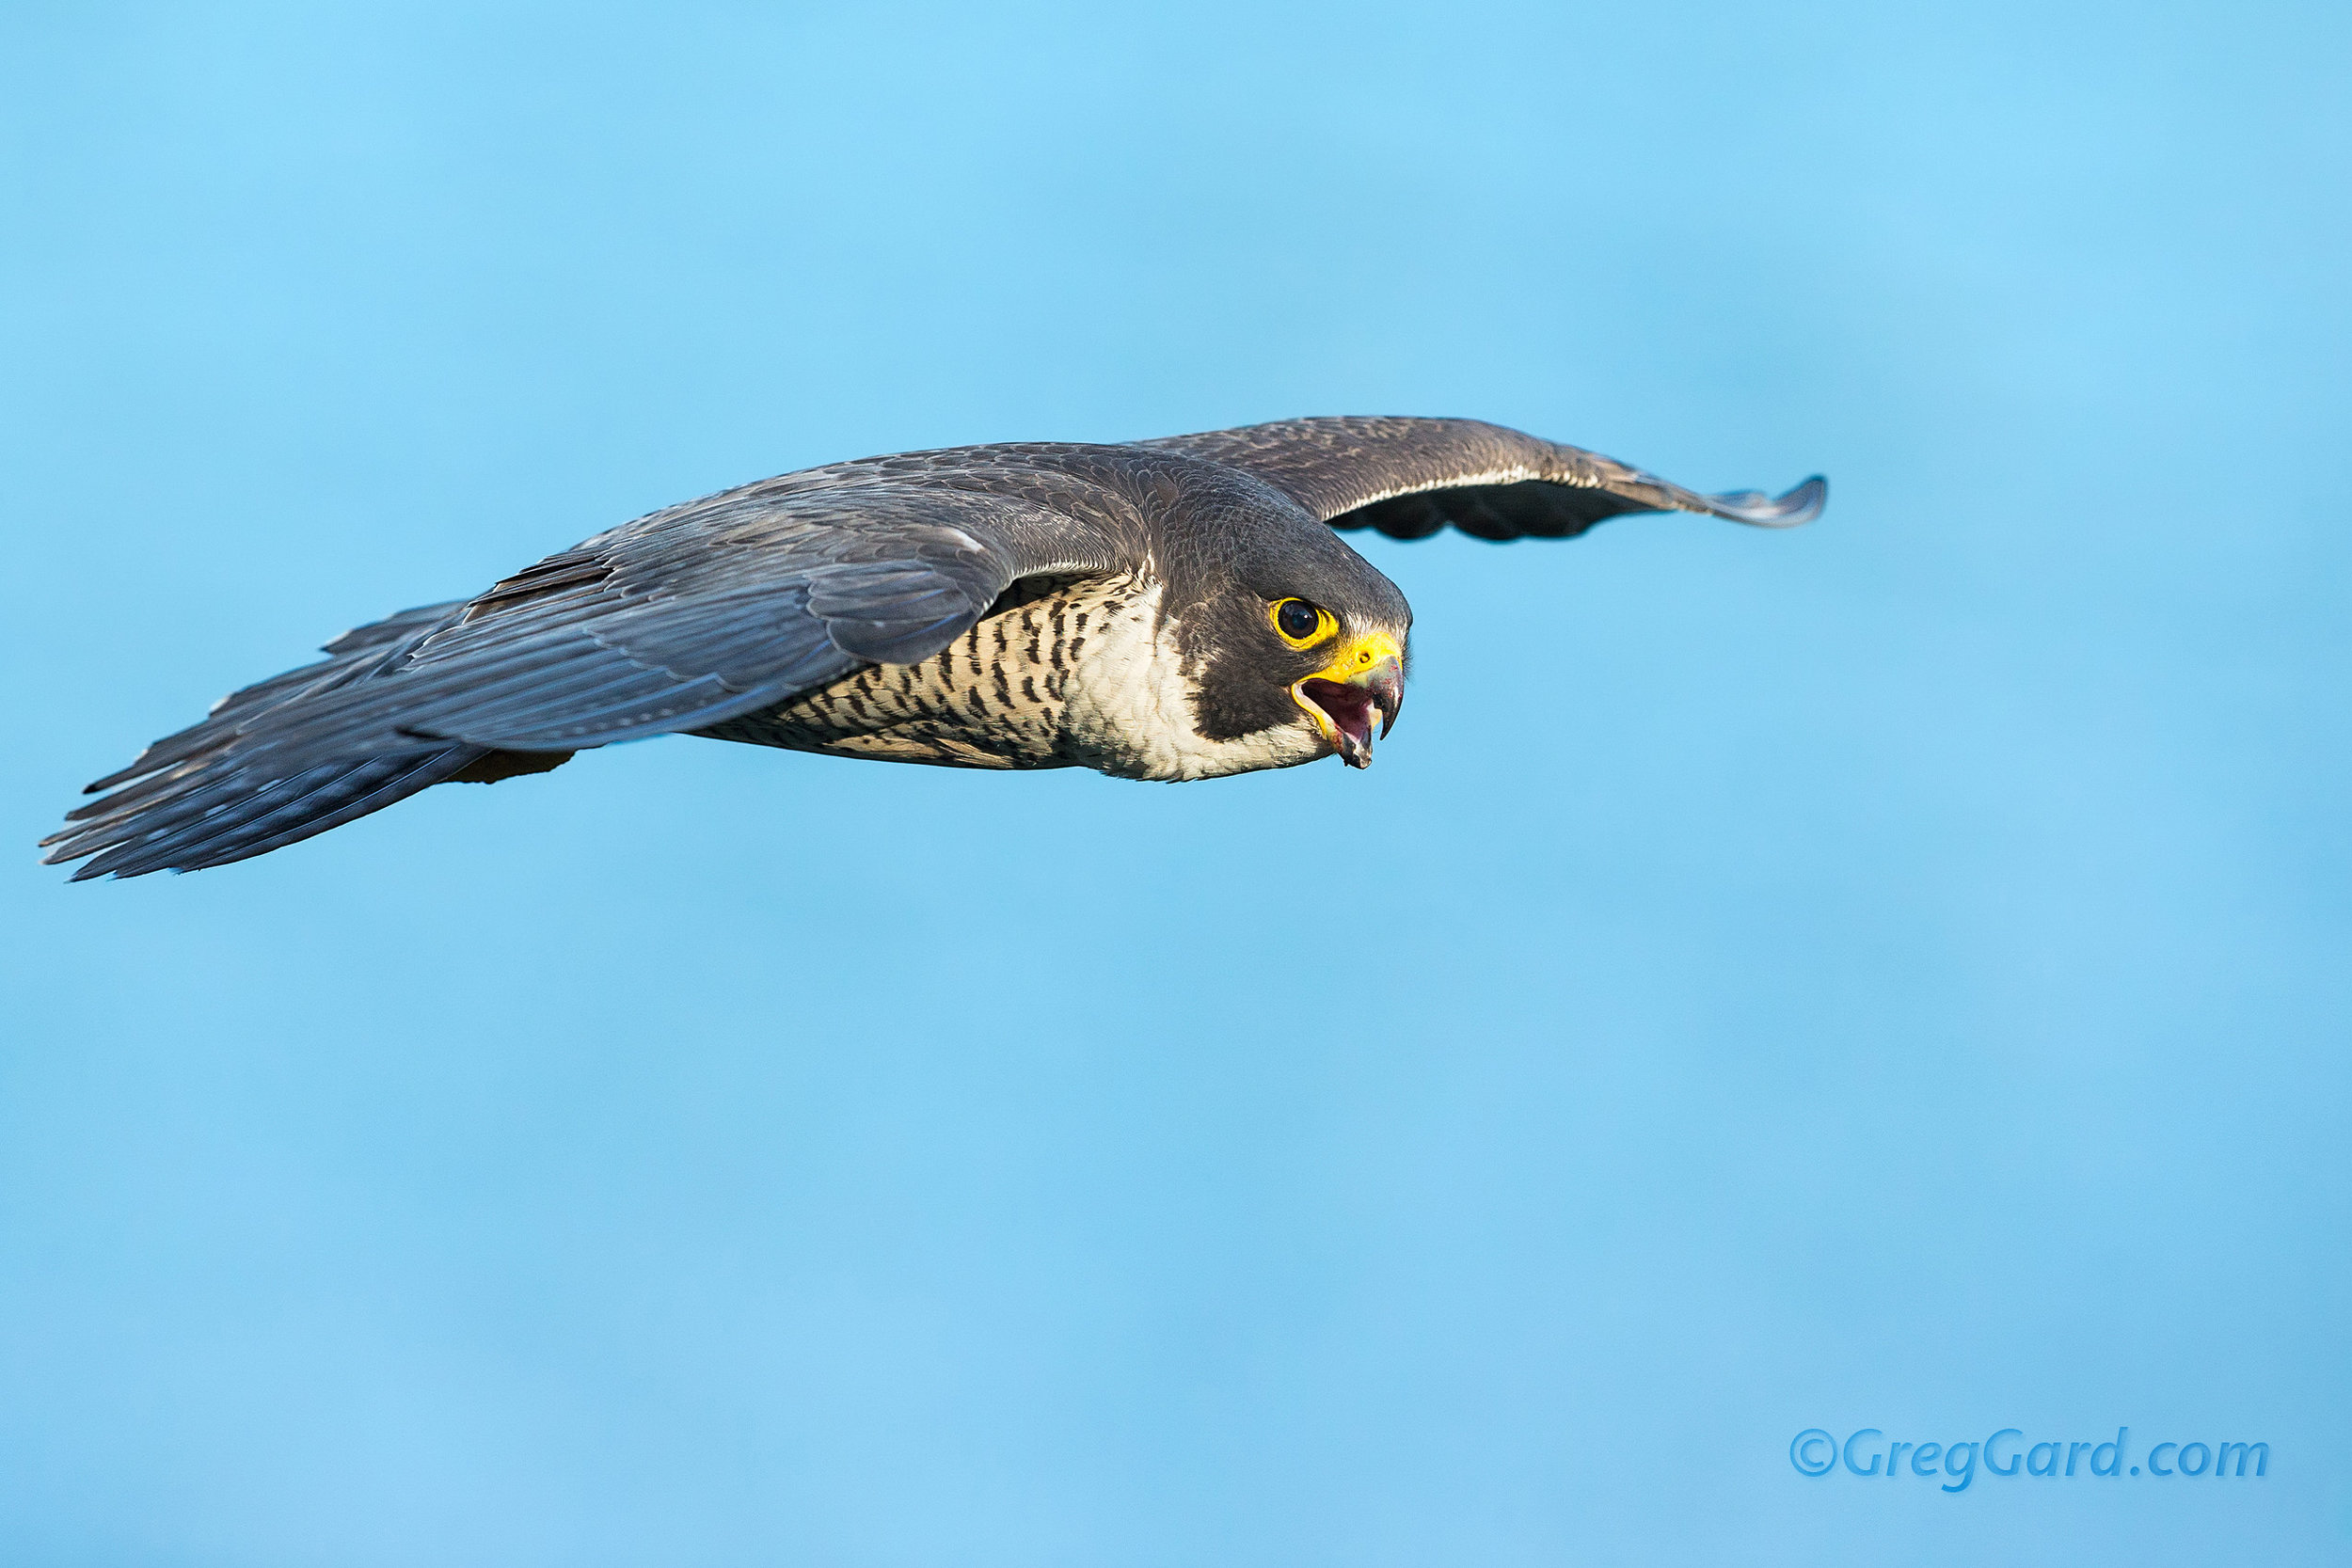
x=1366, y=675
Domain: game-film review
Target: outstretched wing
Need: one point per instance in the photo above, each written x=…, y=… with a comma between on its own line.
x=679, y=620
x=1409, y=478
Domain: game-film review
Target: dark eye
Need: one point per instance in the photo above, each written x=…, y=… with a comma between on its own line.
x=1296, y=620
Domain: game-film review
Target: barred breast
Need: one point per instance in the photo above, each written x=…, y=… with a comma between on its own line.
x=999, y=696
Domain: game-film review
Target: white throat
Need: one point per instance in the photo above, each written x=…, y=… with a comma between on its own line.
x=1131, y=707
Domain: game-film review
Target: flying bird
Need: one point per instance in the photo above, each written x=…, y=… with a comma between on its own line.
x=1171, y=608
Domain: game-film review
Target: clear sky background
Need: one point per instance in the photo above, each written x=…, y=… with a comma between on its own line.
x=1891, y=976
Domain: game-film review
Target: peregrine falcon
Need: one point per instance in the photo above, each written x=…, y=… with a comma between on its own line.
x=1173, y=609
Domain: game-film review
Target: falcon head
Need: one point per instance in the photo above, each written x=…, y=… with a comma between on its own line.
x=1301, y=649
x=1360, y=678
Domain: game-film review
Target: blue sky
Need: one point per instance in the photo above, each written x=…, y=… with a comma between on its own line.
x=1890, y=976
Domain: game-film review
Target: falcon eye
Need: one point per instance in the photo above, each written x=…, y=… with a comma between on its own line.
x=1301, y=622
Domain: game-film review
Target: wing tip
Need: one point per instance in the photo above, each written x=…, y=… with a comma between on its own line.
x=1791, y=508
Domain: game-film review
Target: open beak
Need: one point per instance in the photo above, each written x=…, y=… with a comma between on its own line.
x=1365, y=678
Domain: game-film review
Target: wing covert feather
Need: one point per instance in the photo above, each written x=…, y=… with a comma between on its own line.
x=687, y=618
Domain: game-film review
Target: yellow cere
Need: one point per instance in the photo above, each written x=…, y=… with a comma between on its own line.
x=1359, y=655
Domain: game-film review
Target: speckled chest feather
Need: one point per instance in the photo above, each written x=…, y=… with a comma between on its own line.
x=998, y=696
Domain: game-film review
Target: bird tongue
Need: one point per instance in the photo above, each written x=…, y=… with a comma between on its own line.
x=1350, y=709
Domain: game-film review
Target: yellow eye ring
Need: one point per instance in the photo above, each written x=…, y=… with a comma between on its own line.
x=1299, y=623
